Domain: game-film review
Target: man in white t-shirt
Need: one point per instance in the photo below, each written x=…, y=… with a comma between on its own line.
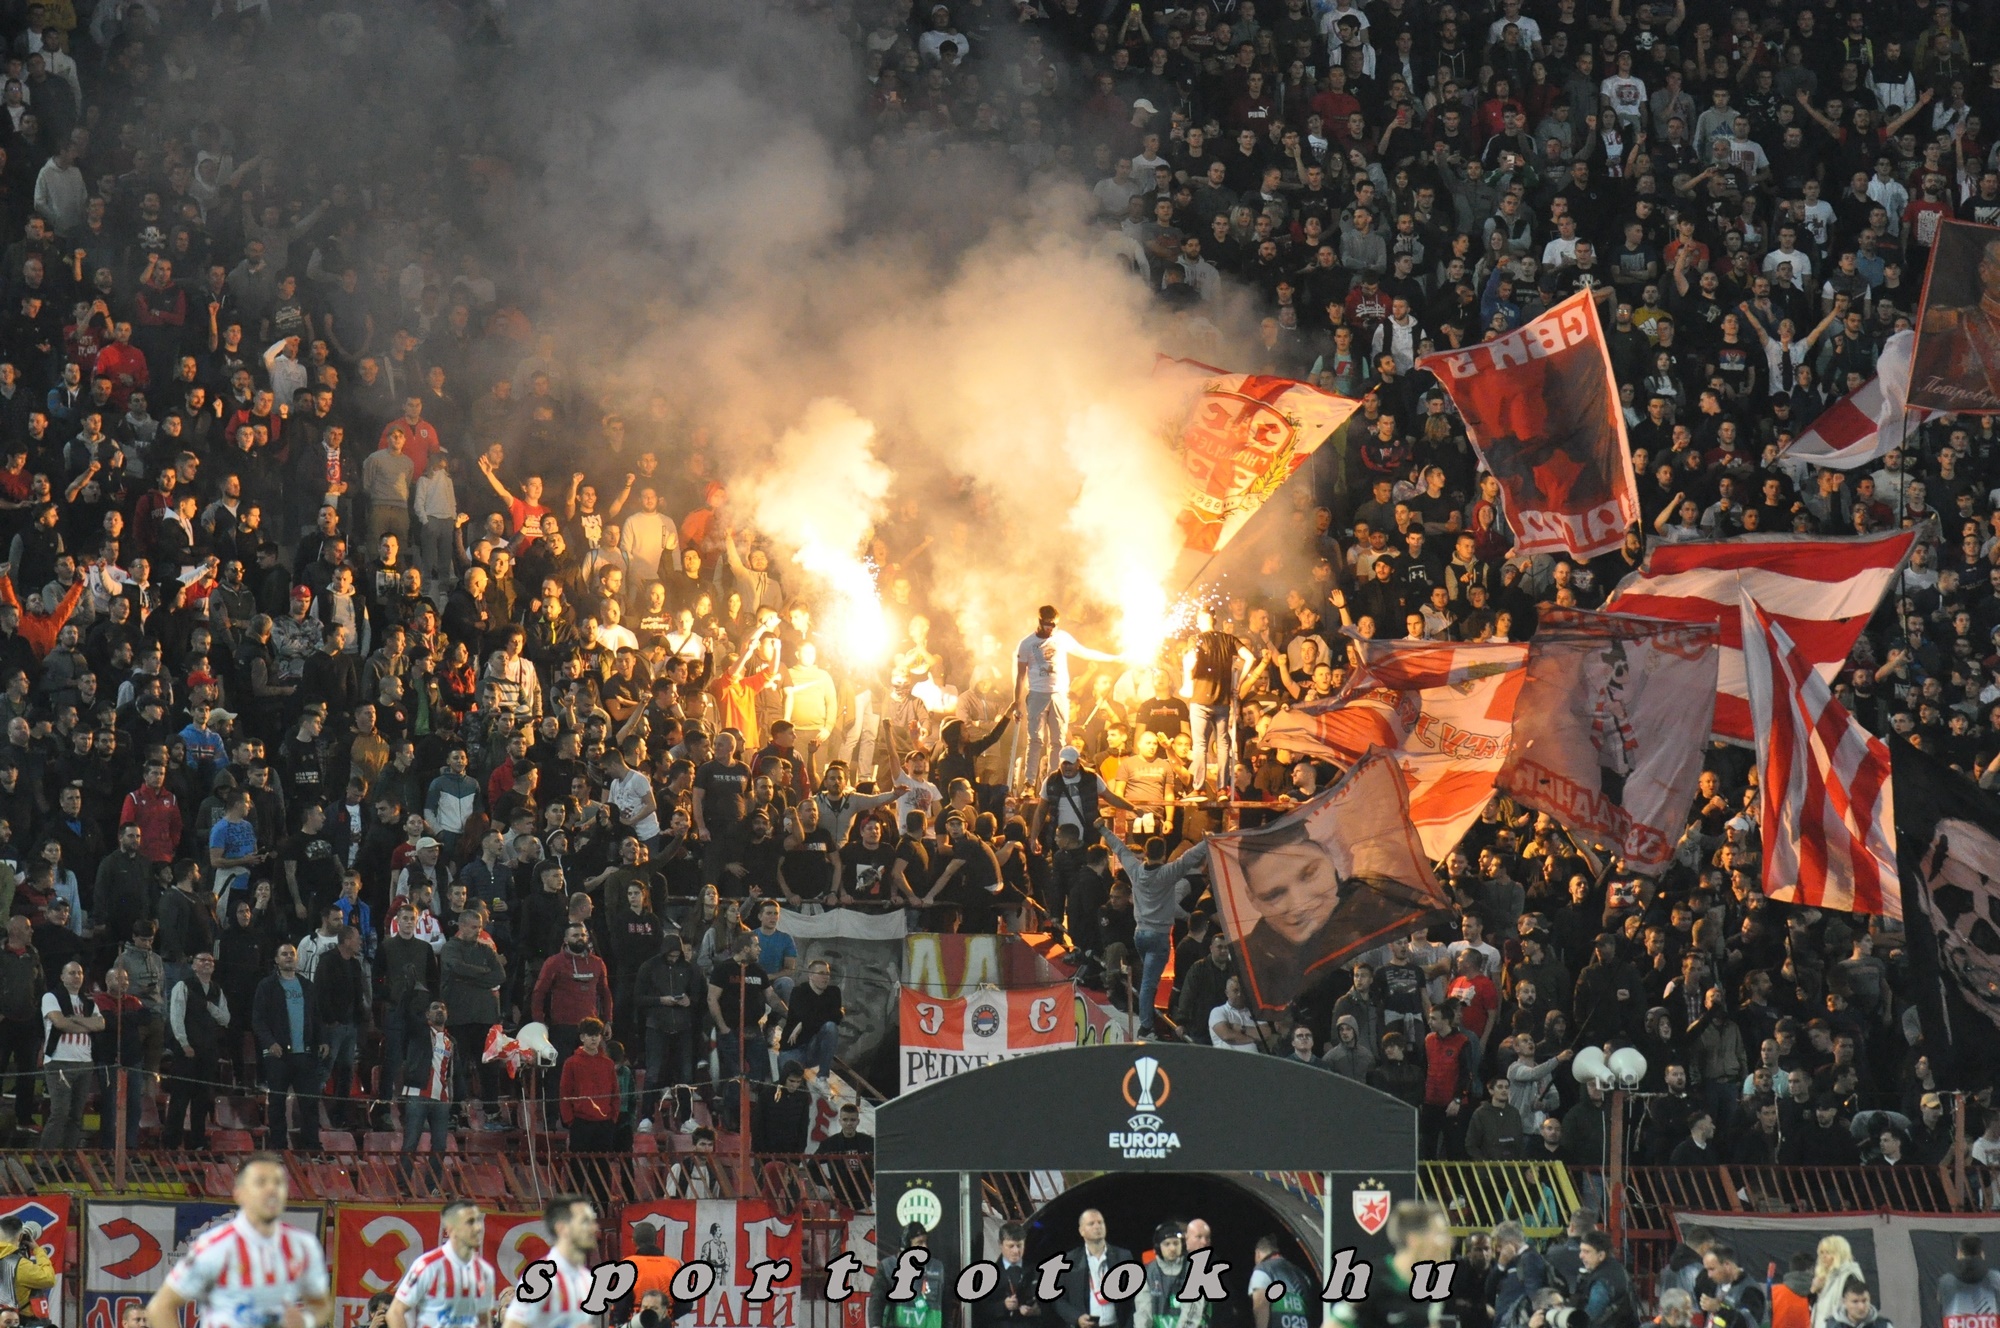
x=1233, y=1024
x=630, y=793
x=1041, y=685
x=68, y=1019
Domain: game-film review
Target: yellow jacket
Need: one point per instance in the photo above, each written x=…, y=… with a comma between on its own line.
x=33, y=1272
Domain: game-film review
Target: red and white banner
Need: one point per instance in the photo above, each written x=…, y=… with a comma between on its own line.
x=1245, y=435
x=1826, y=803
x=1341, y=874
x=943, y=1036
x=1610, y=725
x=50, y=1212
x=375, y=1244
x=1821, y=591
x=732, y=1236
x=1445, y=711
x=1541, y=406
x=1868, y=422
x=130, y=1245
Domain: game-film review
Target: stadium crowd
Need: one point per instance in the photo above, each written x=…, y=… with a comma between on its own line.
x=371, y=680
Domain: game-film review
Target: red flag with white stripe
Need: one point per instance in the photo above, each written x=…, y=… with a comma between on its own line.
x=1821, y=591
x=1868, y=422
x=1825, y=797
x=1444, y=710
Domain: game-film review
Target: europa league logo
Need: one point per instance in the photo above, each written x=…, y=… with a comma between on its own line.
x=1146, y=1089
x=1145, y=1069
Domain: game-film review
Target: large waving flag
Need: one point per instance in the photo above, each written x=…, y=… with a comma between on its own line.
x=1868, y=422
x=1821, y=591
x=1444, y=710
x=1611, y=725
x=1826, y=805
x=1542, y=408
x=1342, y=874
x=1245, y=435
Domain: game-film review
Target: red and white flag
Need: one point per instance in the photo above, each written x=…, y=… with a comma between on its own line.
x=1445, y=711
x=1868, y=422
x=1826, y=806
x=942, y=1036
x=1244, y=436
x=1821, y=591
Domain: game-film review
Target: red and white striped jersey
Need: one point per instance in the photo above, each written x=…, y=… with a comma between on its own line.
x=239, y=1279
x=562, y=1307
x=440, y=1290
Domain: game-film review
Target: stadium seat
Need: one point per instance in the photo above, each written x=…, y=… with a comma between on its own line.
x=482, y=1181
x=337, y=1141
x=330, y=1180
x=382, y=1141
x=231, y=1141
x=218, y=1179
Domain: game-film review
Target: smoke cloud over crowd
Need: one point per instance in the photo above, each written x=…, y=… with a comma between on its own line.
x=853, y=325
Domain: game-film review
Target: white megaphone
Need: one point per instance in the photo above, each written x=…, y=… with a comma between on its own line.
x=535, y=1038
x=1588, y=1066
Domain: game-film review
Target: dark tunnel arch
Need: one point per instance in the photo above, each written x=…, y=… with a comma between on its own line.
x=1135, y=1203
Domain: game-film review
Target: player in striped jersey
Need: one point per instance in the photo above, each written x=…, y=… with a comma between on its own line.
x=254, y=1271
x=553, y=1290
x=452, y=1286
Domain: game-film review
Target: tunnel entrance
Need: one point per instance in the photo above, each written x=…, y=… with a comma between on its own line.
x=1254, y=1145
x=1134, y=1205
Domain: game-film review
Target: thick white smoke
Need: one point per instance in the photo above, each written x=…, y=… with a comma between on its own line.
x=819, y=495
x=839, y=322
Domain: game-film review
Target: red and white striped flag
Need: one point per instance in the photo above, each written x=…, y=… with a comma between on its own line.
x=1826, y=806
x=1446, y=713
x=1821, y=591
x=1868, y=422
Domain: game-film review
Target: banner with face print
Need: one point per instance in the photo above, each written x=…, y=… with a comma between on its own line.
x=1341, y=874
x=1955, y=364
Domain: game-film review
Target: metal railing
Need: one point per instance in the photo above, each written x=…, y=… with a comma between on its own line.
x=1477, y=1196
x=808, y=1184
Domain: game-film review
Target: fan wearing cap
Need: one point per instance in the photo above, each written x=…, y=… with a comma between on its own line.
x=1158, y=1303
x=1076, y=795
x=931, y=45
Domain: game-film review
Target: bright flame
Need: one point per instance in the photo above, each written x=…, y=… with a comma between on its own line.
x=819, y=498
x=1124, y=520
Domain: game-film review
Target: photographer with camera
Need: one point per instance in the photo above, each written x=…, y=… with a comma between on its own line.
x=25, y=1268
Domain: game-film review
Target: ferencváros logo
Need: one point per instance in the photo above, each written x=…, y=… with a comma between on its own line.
x=1146, y=1088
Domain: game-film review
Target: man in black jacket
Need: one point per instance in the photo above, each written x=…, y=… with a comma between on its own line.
x=1012, y=1302
x=408, y=965
x=197, y=1012
x=669, y=993
x=340, y=993
x=812, y=1021
x=472, y=971
x=427, y=1069
x=291, y=1048
x=1081, y=1302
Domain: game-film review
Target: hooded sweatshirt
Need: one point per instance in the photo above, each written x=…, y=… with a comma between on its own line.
x=1970, y=1289
x=1348, y=1056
